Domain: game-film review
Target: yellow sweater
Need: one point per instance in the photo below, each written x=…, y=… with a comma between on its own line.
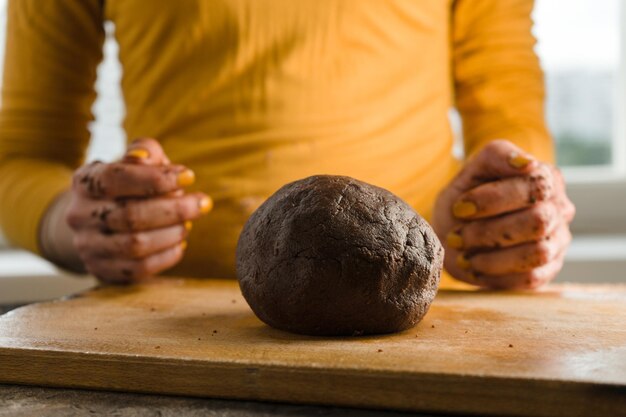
x=252, y=94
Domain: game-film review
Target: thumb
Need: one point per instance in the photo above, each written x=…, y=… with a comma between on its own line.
x=145, y=151
x=498, y=159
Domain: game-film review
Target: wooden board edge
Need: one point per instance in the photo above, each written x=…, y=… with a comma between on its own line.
x=336, y=387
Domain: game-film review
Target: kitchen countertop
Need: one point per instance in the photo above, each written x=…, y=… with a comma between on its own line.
x=18, y=401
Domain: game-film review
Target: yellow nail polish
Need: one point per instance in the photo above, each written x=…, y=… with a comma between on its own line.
x=185, y=178
x=464, y=209
x=188, y=226
x=183, y=245
x=138, y=153
x=519, y=161
x=205, y=205
x=463, y=262
x=454, y=240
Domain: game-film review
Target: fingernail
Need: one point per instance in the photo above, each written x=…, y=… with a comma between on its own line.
x=205, y=204
x=454, y=240
x=463, y=262
x=138, y=153
x=188, y=225
x=519, y=161
x=464, y=209
x=185, y=178
x=183, y=245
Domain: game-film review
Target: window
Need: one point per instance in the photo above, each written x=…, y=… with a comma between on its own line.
x=582, y=47
x=108, y=138
x=580, y=44
x=579, y=51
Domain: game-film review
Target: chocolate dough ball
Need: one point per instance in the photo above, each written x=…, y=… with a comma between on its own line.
x=330, y=255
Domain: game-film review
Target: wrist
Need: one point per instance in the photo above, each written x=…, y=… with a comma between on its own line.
x=56, y=237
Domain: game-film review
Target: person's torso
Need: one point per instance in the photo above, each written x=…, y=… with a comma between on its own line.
x=252, y=94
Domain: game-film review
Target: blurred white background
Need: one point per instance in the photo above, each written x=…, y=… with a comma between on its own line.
x=579, y=47
x=581, y=50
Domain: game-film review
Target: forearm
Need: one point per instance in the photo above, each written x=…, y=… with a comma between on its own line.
x=499, y=84
x=47, y=93
x=56, y=237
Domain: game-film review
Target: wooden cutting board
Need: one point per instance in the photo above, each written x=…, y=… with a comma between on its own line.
x=558, y=352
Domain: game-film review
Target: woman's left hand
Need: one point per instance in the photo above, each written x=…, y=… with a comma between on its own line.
x=504, y=220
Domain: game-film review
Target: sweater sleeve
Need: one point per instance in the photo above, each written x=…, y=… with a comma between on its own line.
x=499, y=84
x=53, y=48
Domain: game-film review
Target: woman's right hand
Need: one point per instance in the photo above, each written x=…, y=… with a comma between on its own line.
x=131, y=218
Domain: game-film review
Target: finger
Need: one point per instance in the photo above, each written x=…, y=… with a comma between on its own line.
x=505, y=195
x=498, y=159
x=126, y=271
x=129, y=245
x=567, y=208
x=516, y=259
x=528, y=225
x=158, y=212
x=522, y=281
x=138, y=214
x=118, y=180
x=146, y=151
x=456, y=269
